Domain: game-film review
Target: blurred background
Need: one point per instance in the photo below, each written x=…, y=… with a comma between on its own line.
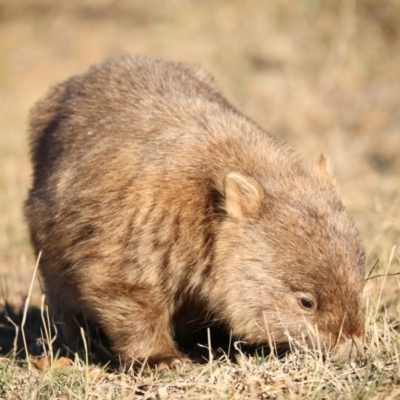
x=322, y=75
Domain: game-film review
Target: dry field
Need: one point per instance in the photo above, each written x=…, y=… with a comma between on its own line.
x=323, y=75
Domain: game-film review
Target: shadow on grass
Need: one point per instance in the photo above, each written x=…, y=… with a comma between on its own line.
x=41, y=333
x=11, y=338
x=196, y=345
x=222, y=344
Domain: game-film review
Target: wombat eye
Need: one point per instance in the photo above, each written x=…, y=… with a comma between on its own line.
x=307, y=304
x=306, y=301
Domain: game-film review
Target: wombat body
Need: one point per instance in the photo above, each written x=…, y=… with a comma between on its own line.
x=155, y=201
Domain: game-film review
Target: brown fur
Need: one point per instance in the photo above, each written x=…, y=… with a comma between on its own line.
x=154, y=199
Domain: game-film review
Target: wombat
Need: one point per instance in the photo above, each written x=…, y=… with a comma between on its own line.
x=155, y=202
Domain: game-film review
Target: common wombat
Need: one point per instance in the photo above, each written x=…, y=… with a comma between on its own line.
x=154, y=201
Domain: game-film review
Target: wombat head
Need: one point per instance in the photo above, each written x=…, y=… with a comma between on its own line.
x=290, y=263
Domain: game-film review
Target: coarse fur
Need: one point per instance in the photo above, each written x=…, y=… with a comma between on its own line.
x=154, y=201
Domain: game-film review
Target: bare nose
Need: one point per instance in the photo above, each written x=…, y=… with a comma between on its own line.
x=347, y=350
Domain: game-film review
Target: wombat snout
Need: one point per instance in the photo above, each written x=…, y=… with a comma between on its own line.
x=349, y=349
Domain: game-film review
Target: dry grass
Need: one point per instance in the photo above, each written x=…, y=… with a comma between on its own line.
x=321, y=75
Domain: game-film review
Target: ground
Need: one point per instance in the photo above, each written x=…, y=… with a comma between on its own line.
x=324, y=76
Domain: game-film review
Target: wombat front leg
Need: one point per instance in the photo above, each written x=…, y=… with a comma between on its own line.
x=138, y=323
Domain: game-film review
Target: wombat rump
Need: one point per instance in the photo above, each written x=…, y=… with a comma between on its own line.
x=156, y=203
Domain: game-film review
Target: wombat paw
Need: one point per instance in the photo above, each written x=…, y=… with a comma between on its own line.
x=167, y=364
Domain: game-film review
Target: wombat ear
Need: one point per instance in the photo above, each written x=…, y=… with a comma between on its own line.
x=323, y=166
x=243, y=196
